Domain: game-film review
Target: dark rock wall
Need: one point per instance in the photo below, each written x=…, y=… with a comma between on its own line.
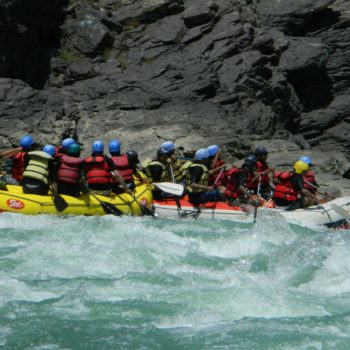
x=197, y=71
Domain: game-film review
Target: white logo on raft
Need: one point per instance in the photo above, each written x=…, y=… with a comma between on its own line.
x=15, y=204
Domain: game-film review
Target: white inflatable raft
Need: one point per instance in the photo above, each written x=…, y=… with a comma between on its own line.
x=334, y=214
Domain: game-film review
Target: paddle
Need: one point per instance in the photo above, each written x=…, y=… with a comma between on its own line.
x=170, y=187
x=144, y=210
x=177, y=200
x=337, y=208
x=108, y=208
x=217, y=178
x=59, y=202
x=341, y=211
x=256, y=205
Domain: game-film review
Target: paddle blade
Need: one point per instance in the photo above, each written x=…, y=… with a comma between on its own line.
x=171, y=188
x=341, y=211
x=146, y=211
x=110, y=209
x=60, y=203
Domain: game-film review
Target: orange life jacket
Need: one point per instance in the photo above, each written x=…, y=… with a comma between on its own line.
x=18, y=166
x=285, y=189
x=123, y=167
x=69, y=170
x=97, y=170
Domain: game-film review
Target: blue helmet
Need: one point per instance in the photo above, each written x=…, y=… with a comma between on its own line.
x=260, y=151
x=168, y=145
x=201, y=154
x=97, y=147
x=306, y=160
x=50, y=150
x=26, y=141
x=213, y=149
x=114, y=146
x=67, y=142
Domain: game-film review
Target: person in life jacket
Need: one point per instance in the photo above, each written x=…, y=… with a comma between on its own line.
x=157, y=170
x=63, y=148
x=67, y=171
x=198, y=188
x=261, y=174
x=10, y=152
x=237, y=179
x=138, y=175
x=7, y=157
x=38, y=173
x=310, y=182
x=290, y=190
x=175, y=164
x=18, y=160
x=99, y=171
x=122, y=165
x=217, y=166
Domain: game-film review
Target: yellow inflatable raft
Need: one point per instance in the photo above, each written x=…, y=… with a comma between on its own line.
x=14, y=200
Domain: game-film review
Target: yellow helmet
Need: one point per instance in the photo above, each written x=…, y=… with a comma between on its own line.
x=301, y=167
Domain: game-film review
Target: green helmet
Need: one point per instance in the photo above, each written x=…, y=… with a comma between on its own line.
x=74, y=149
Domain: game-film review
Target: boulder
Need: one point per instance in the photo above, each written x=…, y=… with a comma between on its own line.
x=303, y=55
x=146, y=11
x=290, y=17
x=86, y=34
x=198, y=12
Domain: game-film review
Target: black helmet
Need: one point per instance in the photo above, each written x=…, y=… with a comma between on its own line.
x=132, y=156
x=260, y=151
x=163, y=152
x=250, y=162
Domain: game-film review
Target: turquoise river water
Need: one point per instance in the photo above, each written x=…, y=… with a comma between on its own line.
x=139, y=283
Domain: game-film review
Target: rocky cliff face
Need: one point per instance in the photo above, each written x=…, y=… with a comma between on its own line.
x=231, y=72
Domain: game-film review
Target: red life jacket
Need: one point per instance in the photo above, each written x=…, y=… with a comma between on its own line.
x=310, y=177
x=222, y=178
x=97, y=170
x=59, y=151
x=261, y=167
x=250, y=184
x=18, y=166
x=231, y=184
x=264, y=180
x=285, y=189
x=277, y=174
x=69, y=170
x=123, y=166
